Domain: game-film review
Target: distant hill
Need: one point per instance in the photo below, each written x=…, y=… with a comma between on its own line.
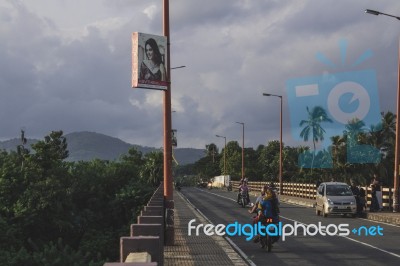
x=86, y=146
x=188, y=155
x=13, y=143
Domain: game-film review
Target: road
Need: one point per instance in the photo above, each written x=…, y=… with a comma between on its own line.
x=220, y=207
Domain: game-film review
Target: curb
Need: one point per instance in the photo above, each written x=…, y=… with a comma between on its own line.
x=391, y=218
x=237, y=256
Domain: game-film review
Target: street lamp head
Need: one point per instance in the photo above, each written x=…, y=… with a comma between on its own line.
x=178, y=67
x=274, y=95
x=376, y=13
x=220, y=136
x=373, y=12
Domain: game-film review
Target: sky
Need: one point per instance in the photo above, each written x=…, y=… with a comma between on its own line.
x=66, y=65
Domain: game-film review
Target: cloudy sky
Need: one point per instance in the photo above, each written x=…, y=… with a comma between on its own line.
x=66, y=64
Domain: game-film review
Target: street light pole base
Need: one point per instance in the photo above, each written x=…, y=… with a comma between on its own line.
x=169, y=223
x=396, y=200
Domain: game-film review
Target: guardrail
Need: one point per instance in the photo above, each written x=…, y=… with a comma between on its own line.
x=308, y=191
x=145, y=244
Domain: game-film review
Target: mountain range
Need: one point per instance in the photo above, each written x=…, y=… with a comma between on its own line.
x=86, y=146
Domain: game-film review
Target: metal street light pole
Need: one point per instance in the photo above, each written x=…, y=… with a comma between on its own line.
x=224, y=153
x=280, y=145
x=168, y=186
x=242, y=149
x=396, y=198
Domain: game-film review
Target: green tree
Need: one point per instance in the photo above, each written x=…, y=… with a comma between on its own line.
x=211, y=151
x=251, y=164
x=233, y=159
x=152, y=169
x=312, y=126
x=269, y=161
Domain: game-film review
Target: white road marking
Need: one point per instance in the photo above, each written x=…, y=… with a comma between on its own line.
x=351, y=239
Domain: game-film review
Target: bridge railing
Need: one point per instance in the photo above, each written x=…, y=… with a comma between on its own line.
x=145, y=244
x=306, y=190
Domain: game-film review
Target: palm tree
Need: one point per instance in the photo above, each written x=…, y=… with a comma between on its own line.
x=337, y=143
x=313, y=127
x=355, y=131
x=388, y=129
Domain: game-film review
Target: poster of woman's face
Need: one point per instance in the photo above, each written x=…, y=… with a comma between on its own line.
x=149, y=60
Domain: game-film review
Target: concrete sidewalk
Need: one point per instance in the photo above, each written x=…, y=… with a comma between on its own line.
x=197, y=250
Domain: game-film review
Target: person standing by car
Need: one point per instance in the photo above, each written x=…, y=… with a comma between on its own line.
x=378, y=192
x=374, y=201
x=356, y=193
x=363, y=201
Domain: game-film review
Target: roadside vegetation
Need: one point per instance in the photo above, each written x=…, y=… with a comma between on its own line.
x=54, y=212
x=262, y=163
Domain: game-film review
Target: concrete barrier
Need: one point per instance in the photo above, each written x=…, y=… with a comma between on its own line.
x=130, y=264
x=156, y=202
x=151, y=213
x=154, y=208
x=148, y=230
x=151, y=220
x=147, y=236
x=150, y=244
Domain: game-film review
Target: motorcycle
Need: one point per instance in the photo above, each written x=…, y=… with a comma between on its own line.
x=209, y=185
x=229, y=187
x=243, y=198
x=266, y=240
x=178, y=186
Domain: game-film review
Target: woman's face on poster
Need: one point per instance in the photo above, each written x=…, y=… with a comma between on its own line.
x=149, y=52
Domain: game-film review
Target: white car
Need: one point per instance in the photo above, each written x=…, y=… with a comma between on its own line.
x=335, y=198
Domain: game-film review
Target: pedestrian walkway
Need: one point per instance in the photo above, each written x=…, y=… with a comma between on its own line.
x=197, y=250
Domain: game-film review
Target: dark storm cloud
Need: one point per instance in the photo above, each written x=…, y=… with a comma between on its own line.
x=68, y=68
x=49, y=84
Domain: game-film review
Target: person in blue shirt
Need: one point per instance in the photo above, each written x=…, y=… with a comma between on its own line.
x=267, y=210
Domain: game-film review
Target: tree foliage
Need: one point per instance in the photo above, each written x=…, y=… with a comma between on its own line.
x=263, y=163
x=54, y=212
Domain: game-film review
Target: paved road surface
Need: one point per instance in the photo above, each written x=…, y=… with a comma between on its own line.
x=220, y=207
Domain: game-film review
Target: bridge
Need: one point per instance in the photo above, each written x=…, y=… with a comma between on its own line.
x=371, y=240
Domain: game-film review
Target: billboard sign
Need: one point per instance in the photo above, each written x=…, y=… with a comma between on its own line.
x=149, y=57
